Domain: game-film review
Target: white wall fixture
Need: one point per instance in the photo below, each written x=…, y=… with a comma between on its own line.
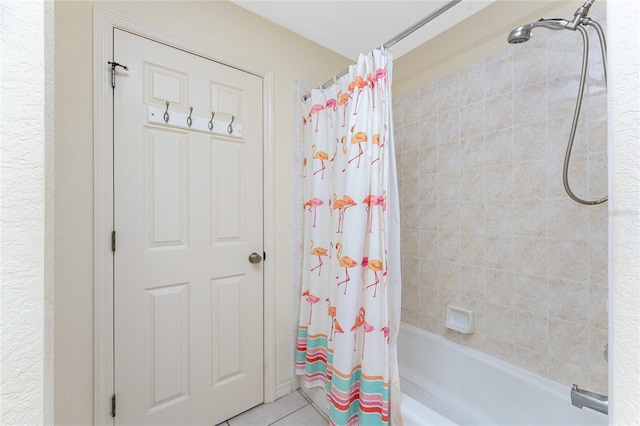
x=459, y=319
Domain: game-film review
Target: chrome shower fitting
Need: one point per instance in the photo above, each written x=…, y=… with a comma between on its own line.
x=580, y=15
x=524, y=33
x=582, y=398
x=580, y=20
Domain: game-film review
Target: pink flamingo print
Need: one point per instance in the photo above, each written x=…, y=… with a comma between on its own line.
x=337, y=328
x=320, y=252
x=376, y=266
x=312, y=300
x=358, y=139
x=376, y=141
x=381, y=74
x=385, y=331
x=331, y=311
x=360, y=321
x=335, y=152
x=331, y=104
x=368, y=328
x=364, y=264
x=345, y=262
x=342, y=205
x=371, y=82
x=343, y=100
x=374, y=200
x=322, y=156
x=313, y=204
x=360, y=83
x=315, y=109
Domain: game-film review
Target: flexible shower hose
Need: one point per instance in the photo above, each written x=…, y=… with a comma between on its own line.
x=576, y=114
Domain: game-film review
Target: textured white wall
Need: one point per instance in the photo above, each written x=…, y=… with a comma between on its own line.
x=24, y=224
x=25, y=198
x=624, y=119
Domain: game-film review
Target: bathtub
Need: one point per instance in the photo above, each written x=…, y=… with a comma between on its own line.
x=445, y=383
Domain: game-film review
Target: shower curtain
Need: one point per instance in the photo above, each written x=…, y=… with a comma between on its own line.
x=350, y=292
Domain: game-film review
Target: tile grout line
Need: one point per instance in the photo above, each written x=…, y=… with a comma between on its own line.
x=284, y=417
x=314, y=406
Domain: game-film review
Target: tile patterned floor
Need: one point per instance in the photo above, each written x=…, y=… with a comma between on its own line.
x=291, y=410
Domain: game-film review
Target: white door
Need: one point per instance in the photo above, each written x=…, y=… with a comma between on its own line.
x=188, y=214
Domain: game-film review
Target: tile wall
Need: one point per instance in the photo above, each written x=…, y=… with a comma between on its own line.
x=486, y=223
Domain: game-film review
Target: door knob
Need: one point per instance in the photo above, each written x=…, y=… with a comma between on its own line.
x=255, y=258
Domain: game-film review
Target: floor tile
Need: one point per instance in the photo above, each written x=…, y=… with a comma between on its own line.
x=266, y=414
x=306, y=416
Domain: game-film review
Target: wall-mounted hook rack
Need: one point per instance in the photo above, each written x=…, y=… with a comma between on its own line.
x=182, y=120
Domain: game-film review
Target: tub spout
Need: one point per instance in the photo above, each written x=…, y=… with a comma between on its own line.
x=582, y=398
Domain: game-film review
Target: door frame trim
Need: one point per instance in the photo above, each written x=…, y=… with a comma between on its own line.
x=104, y=22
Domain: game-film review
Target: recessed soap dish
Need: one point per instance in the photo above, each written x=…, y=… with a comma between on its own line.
x=459, y=319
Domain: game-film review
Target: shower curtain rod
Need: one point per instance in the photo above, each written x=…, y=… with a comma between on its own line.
x=396, y=39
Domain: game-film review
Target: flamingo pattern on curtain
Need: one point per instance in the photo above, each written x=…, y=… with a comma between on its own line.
x=349, y=312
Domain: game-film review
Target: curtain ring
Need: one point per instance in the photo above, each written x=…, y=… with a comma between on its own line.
x=230, y=127
x=166, y=114
x=189, y=120
x=210, y=125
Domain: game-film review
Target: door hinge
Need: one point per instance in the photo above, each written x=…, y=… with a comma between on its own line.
x=113, y=405
x=264, y=255
x=113, y=240
x=113, y=71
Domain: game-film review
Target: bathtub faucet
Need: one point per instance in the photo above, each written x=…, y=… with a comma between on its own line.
x=582, y=398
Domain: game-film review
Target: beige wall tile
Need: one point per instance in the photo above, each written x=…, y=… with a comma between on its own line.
x=472, y=152
x=472, y=250
x=569, y=342
x=530, y=141
x=448, y=125
x=529, y=65
x=498, y=112
x=472, y=119
x=531, y=331
x=499, y=287
x=498, y=74
x=529, y=103
x=448, y=98
x=472, y=84
x=531, y=295
x=486, y=222
x=569, y=301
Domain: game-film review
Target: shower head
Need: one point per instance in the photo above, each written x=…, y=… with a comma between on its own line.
x=524, y=32
x=520, y=34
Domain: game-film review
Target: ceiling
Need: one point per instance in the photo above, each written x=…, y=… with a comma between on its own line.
x=350, y=27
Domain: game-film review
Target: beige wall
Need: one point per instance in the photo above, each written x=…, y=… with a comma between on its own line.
x=483, y=36
x=222, y=26
x=492, y=229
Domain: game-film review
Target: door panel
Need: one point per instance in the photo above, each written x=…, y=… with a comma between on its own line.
x=188, y=212
x=166, y=189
